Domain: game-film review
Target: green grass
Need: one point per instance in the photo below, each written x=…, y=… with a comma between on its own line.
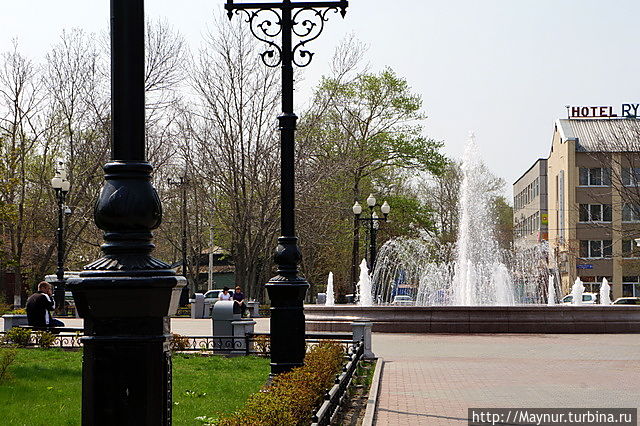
x=45, y=387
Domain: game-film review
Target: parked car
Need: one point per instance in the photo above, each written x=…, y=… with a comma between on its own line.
x=587, y=299
x=402, y=300
x=212, y=295
x=627, y=301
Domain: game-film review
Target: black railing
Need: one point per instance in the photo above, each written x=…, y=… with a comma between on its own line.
x=64, y=341
x=335, y=396
x=257, y=344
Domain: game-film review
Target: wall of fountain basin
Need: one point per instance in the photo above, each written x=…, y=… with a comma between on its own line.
x=477, y=319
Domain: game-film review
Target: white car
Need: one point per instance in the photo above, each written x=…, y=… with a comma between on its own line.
x=402, y=300
x=627, y=301
x=212, y=295
x=587, y=299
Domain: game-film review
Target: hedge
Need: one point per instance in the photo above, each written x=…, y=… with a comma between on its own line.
x=292, y=397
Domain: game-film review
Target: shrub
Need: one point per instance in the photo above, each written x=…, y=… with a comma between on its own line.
x=44, y=339
x=19, y=336
x=179, y=342
x=291, y=397
x=7, y=356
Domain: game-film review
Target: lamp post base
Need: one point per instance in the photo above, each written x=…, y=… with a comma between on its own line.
x=287, y=324
x=126, y=370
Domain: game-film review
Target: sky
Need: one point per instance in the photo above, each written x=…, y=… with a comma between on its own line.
x=502, y=69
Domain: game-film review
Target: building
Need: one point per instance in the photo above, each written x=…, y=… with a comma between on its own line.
x=530, y=216
x=593, y=189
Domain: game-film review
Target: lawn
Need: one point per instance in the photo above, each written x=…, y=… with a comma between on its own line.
x=45, y=387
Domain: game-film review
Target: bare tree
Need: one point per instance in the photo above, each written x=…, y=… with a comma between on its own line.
x=23, y=157
x=230, y=145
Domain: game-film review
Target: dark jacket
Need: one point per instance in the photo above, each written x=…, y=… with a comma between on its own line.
x=37, y=306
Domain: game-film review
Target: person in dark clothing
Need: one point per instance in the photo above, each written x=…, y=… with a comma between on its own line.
x=238, y=297
x=39, y=307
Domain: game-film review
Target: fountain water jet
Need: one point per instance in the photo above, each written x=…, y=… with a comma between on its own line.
x=365, y=297
x=576, y=292
x=605, y=291
x=330, y=301
x=551, y=292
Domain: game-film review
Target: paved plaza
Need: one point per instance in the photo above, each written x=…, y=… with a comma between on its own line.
x=433, y=379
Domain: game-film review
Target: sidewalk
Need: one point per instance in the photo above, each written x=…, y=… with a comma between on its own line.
x=433, y=379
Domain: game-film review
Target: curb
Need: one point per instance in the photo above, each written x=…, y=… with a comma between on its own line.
x=374, y=390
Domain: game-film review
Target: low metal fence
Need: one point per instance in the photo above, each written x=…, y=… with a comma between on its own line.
x=257, y=344
x=62, y=340
x=335, y=396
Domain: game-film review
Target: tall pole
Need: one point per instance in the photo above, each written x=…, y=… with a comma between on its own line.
x=373, y=246
x=126, y=296
x=60, y=284
x=60, y=266
x=210, y=281
x=183, y=184
x=355, y=254
x=287, y=290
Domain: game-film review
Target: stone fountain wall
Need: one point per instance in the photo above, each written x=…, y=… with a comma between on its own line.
x=478, y=319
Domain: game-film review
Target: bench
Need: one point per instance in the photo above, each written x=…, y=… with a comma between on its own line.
x=53, y=330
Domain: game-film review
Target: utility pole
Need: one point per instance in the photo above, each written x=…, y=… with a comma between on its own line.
x=210, y=283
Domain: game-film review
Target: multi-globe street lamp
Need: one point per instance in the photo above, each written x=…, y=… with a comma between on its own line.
x=303, y=21
x=61, y=187
x=374, y=224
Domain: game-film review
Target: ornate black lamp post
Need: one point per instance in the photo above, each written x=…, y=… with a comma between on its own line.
x=61, y=187
x=305, y=21
x=125, y=297
x=374, y=224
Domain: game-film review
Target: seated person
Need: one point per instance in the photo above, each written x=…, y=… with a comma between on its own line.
x=238, y=297
x=225, y=295
x=39, y=307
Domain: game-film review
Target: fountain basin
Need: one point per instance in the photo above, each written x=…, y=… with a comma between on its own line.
x=541, y=319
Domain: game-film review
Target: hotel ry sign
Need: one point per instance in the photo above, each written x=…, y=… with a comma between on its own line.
x=626, y=111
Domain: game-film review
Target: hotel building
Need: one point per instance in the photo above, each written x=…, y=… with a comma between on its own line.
x=590, y=208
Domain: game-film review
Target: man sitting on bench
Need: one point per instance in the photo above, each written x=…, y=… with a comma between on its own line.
x=39, y=307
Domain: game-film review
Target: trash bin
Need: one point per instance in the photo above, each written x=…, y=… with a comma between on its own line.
x=229, y=329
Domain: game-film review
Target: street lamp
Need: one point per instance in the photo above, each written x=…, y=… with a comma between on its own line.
x=182, y=183
x=374, y=223
x=127, y=296
x=268, y=21
x=61, y=187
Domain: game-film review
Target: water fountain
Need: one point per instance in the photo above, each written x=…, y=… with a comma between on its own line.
x=472, y=287
x=330, y=301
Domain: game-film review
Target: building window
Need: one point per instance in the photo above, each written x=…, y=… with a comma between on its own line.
x=630, y=176
x=599, y=176
x=630, y=249
x=630, y=212
x=630, y=287
x=595, y=213
x=595, y=248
